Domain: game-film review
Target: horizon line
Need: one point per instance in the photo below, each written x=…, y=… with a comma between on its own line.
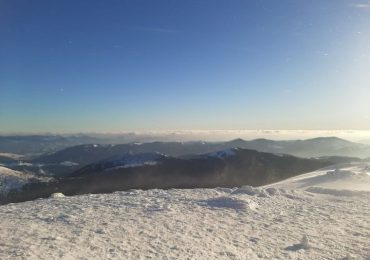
x=169, y=131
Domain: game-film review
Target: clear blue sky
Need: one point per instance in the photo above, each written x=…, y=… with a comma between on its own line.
x=112, y=65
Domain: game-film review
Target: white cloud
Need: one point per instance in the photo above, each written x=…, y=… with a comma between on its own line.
x=276, y=134
x=362, y=6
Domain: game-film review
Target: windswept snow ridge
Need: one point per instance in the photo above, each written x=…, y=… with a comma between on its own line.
x=353, y=177
x=275, y=222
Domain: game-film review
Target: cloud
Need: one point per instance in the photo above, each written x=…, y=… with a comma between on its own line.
x=223, y=135
x=362, y=6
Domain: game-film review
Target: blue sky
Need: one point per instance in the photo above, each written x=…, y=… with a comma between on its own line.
x=74, y=66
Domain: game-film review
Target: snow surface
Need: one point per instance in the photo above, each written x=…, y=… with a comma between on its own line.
x=273, y=222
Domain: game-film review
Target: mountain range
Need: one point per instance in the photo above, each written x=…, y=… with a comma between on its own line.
x=318, y=147
x=38, y=145
x=226, y=168
x=98, y=168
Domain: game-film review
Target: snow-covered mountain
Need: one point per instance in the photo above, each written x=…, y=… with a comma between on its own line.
x=128, y=160
x=317, y=147
x=293, y=219
x=225, y=168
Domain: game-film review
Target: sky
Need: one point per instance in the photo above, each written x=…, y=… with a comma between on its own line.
x=115, y=65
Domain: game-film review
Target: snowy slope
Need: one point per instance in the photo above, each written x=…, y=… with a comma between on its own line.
x=354, y=177
x=272, y=222
x=10, y=179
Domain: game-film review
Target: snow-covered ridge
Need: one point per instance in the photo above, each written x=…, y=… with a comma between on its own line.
x=12, y=156
x=10, y=179
x=352, y=176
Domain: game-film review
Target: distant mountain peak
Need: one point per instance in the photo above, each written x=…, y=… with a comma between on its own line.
x=237, y=141
x=262, y=140
x=328, y=138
